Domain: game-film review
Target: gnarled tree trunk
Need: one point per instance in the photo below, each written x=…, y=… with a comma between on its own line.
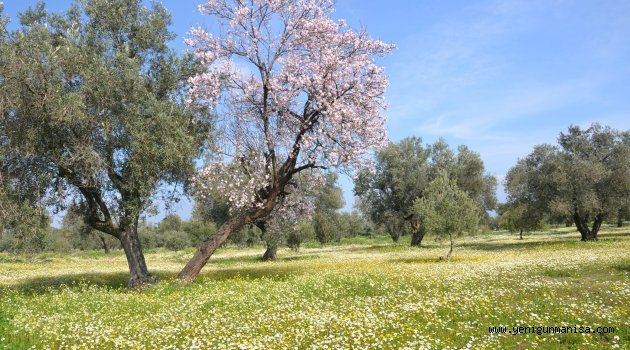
x=588, y=234
x=416, y=238
x=418, y=233
x=139, y=274
x=270, y=253
x=210, y=245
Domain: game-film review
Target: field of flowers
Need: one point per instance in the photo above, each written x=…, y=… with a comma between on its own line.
x=362, y=295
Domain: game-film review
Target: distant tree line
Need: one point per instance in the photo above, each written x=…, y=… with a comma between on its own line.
x=325, y=225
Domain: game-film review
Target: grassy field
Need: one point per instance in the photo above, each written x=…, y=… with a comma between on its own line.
x=364, y=293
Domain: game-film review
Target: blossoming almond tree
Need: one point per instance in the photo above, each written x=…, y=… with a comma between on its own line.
x=294, y=91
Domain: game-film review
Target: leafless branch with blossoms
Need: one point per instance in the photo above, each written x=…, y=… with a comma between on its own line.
x=294, y=90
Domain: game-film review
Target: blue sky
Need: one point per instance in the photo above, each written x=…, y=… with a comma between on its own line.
x=498, y=76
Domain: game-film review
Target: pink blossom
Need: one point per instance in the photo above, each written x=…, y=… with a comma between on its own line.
x=294, y=90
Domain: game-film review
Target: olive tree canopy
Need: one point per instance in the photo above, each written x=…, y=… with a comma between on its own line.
x=403, y=172
x=94, y=100
x=585, y=177
x=446, y=211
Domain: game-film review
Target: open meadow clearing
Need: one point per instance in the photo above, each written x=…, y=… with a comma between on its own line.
x=314, y=174
x=363, y=293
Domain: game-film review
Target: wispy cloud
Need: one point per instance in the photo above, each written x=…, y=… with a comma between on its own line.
x=473, y=119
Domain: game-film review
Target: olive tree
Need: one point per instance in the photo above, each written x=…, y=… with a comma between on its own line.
x=403, y=172
x=387, y=195
x=585, y=177
x=95, y=100
x=517, y=217
x=328, y=201
x=446, y=211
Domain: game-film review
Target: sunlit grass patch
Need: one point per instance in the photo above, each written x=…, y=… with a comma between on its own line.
x=375, y=295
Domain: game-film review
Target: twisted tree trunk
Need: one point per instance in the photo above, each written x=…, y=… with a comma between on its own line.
x=139, y=274
x=416, y=238
x=210, y=245
x=588, y=234
x=270, y=253
x=418, y=234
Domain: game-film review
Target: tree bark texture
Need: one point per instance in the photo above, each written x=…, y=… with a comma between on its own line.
x=190, y=272
x=139, y=274
x=588, y=234
x=416, y=238
x=270, y=253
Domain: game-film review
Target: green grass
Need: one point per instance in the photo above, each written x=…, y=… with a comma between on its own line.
x=358, y=293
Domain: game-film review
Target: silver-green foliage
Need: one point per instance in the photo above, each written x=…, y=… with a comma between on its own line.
x=586, y=177
x=94, y=102
x=446, y=211
x=403, y=172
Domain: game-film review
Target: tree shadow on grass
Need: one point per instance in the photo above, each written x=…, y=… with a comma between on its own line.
x=255, y=259
x=624, y=267
x=378, y=248
x=113, y=280
x=119, y=280
x=438, y=259
x=417, y=260
x=526, y=244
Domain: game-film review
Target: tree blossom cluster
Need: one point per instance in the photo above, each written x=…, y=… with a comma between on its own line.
x=293, y=90
x=297, y=205
x=224, y=183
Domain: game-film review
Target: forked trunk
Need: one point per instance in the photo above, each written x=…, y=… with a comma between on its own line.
x=209, y=246
x=588, y=234
x=418, y=233
x=139, y=274
x=416, y=238
x=270, y=253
